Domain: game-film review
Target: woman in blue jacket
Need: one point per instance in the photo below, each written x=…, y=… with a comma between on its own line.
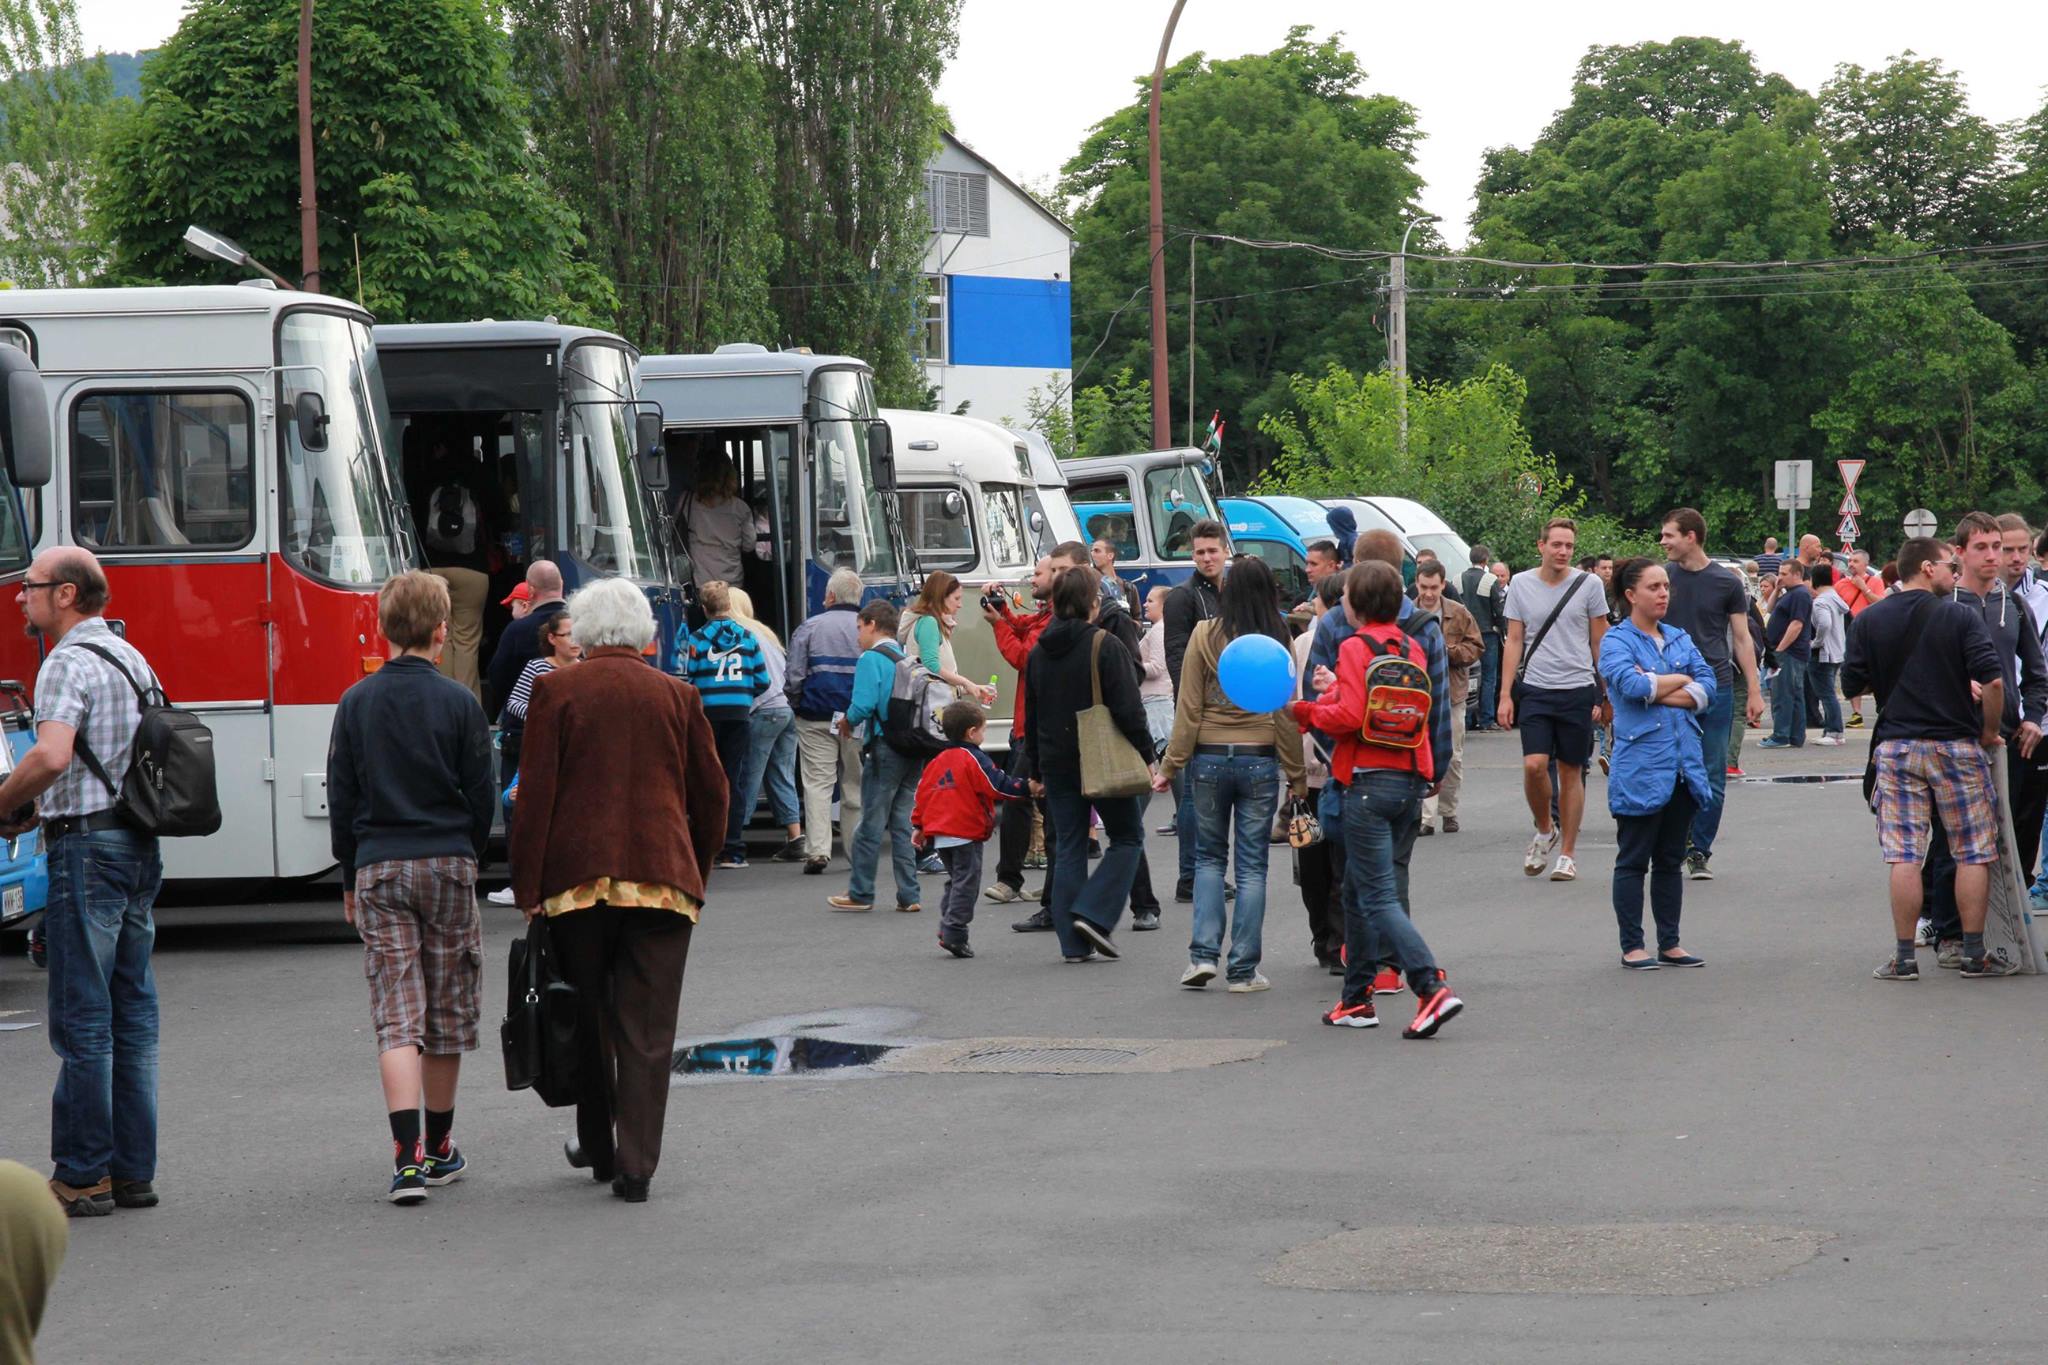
x=1658, y=683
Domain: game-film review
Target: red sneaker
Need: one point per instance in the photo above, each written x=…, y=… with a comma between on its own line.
x=1360, y=1015
x=1734, y=771
x=1438, y=1009
x=1388, y=982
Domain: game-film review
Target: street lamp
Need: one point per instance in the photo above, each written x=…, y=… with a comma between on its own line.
x=1161, y=432
x=1397, y=334
x=211, y=246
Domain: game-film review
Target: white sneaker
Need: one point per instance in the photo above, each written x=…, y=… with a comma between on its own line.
x=1198, y=975
x=1257, y=983
x=1538, y=854
x=1923, y=931
x=503, y=897
x=1565, y=871
x=1830, y=740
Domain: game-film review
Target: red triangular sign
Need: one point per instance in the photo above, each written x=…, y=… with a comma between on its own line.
x=1850, y=470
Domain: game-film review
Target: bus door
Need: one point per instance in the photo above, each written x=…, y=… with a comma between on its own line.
x=161, y=480
x=760, y=459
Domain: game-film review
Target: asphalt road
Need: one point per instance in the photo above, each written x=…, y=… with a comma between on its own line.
x=1845, y=1170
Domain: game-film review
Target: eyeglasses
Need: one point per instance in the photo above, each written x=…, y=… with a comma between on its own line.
x=27, y=586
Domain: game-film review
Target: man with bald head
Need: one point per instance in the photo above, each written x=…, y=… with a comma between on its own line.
x=103, y=1012
x=520, y=644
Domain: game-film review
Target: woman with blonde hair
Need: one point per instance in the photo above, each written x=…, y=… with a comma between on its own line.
x=716, y=523
x=771, y=753
x=927, y=629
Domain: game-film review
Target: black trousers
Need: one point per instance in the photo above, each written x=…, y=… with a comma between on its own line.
x=1013, y=832
x=1652, y=846
x=627, y=968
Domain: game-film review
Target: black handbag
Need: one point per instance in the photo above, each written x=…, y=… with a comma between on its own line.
x=540, y=1033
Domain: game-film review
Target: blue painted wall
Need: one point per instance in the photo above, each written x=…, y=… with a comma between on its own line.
x=1020, y=323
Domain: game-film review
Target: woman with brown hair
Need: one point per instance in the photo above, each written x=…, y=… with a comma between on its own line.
x=622, y=803
x=926, y=633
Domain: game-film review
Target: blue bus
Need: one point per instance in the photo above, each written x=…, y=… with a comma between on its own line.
x=1279, y=529
x=1146, y=505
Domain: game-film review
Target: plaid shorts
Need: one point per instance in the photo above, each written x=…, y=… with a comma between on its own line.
x=1918, y=777
x=423, y=951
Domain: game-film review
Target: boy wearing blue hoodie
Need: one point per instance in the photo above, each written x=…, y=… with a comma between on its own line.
x=888, y=779
x=723, y=662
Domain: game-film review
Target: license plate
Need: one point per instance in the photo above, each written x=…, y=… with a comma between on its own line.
x=13, y=902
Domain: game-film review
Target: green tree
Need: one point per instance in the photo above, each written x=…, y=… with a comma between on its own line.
x=422, y=155
x=1468, y=457
x=652, y=121
x=1687, y=83
x=848, y=95
x=54, y=104
x=1278, y=145
x=1908, y=157
x=1106, y=419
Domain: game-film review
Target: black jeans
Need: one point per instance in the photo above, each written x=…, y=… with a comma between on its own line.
x=1653, y=844
x=734, y=736
x=1013, y=839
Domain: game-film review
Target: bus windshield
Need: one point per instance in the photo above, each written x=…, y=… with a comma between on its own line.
x=610, y=528
x=852, y=528
x=1178, y=500
x=342, y=520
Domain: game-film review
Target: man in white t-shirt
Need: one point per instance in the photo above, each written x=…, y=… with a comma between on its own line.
x=1556, y=617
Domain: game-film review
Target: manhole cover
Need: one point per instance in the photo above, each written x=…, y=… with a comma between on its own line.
x=1074, y=1056
x=1599, y=1258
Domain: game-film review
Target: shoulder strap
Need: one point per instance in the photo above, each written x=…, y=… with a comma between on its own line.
x=141, y=697
x=1543, y=631
x=1095, y=666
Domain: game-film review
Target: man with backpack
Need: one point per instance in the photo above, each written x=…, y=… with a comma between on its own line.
x=888, y=780
x=103, y=1009
x=1559, y=614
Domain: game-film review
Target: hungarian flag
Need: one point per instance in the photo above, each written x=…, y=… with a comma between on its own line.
x=1215, y=441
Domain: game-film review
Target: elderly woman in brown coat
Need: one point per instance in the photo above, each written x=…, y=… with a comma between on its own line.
x=621, y=806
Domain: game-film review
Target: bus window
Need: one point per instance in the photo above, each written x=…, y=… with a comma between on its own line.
x=1009, y=542
x=940, y=538
x=611, y=527
x=1114, y=489
x=1113, y=526
x=1290, y=570
x=160, y=470
x=15, y=542
x=343, y=519
x=1038, y=525
x=1175, y=495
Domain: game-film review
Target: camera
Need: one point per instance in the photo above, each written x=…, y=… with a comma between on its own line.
x=993, y=598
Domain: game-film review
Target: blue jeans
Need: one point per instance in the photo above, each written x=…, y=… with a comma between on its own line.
x=1382, y=810
x=1241, y=793
x=1074, y=892
x=888, y=789
x=103, y=1014
x=771, y=755
x=1823, y=685
x=1716, y=723
x=1186, y=828
x=1484, y=710
x=1788, y=701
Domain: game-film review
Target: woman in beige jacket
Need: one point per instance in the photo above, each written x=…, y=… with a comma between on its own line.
x=1235, y=761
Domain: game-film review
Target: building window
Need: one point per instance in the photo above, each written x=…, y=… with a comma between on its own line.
x=958, y=201
x=935, y=318
x=161, y=470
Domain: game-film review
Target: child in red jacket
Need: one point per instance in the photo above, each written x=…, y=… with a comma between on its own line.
x=955, y=813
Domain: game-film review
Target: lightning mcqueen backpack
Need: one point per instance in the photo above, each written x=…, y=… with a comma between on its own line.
x=1397, y=697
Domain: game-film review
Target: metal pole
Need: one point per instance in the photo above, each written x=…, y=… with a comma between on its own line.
x=1161, y=421
x=1397, y=328
x=309, y=222
x=1191, y=341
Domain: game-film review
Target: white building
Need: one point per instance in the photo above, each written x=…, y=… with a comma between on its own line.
x=998, y=305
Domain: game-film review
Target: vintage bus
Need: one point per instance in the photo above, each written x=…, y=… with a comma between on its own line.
x=546, y=424
x=1145, y=504
x=24, y=462
x=224, y=451
x=814, y=459
x=977, y=504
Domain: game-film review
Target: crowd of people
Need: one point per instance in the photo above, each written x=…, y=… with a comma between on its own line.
x=627, y=787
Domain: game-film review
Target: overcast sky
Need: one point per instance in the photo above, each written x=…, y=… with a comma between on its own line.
x=1031, y=78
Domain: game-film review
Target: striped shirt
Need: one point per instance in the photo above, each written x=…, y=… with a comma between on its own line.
x=522, y=691
x=723, y=662
x=80, y=689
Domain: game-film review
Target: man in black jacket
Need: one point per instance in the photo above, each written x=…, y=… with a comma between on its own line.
x=410, y=798
x=520, y=644
x=1195, y=600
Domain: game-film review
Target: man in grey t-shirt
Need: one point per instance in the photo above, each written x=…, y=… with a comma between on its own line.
x=1556, y=697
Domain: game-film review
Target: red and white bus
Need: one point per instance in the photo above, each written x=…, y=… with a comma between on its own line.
x=225, y=451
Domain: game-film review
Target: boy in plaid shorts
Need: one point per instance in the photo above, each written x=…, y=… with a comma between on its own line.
x=1940, y=694
x=410, y=792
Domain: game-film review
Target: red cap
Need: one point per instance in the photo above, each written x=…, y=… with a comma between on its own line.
x=522, y=593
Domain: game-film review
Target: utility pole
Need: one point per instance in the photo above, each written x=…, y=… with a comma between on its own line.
x=1191, y=341
x=1397, y=327
x=1161, y=432
x=309, y=212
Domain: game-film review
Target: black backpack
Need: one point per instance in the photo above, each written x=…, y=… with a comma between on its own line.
x=168, y=790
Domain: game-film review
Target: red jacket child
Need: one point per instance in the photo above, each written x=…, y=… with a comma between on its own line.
x=1341, y=710
x=957, y=795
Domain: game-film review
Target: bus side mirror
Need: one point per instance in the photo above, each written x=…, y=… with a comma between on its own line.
x=647, y=441
x=26, y=426
x=309, y=415
x=882, y=456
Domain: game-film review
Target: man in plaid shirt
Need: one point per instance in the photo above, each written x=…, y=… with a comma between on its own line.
x=103, y=1011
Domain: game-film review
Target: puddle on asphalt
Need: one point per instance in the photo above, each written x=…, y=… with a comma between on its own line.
x=789, y=1055
x=1807, y=778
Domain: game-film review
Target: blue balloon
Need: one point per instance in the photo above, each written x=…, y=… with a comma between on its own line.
x=1257, y=673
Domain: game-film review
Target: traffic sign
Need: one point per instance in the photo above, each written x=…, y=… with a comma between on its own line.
x=1847, y=530
x=1850, y=470
x=1919, y=522
x=1849, y=507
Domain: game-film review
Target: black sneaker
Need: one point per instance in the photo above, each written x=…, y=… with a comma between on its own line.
x=1184, y=891
x=1696, y=868
x=956, y=946
x=1040, y=923
x=1144, y=921
x=1989, y=965
x=1097, y=936
x=91, y=1201
x=1895, y=970
x=792, y=852
x=409, y=1184
x=445, y=1170
x=134, y=1194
